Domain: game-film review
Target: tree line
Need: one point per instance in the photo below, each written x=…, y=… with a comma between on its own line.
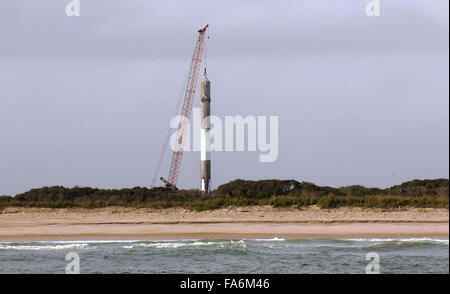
x=277, y=193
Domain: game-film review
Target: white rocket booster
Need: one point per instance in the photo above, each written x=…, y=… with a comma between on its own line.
x=205, y=100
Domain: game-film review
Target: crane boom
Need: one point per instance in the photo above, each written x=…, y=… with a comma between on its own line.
x=186, y=111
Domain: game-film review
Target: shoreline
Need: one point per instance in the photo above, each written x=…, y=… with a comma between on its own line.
x=238, y=231
x=241, y=222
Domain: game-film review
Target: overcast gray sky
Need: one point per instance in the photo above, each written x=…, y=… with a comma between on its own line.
x=87, y=100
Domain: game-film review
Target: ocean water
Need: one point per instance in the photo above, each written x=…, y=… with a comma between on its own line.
x=251, y=256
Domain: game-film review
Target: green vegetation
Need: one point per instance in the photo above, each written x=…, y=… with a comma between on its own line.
x=277, y=193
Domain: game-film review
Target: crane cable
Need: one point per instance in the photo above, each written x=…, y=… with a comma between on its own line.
x=166, y=141
x=205, y=51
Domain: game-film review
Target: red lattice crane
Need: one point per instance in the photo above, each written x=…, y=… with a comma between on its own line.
x=186, y=111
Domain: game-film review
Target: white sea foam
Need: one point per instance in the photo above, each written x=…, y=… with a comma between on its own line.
x=89, y=241
x=402, y=240
x=270, y=240
x=221, y=244
x=46, y=247
x=370, y=240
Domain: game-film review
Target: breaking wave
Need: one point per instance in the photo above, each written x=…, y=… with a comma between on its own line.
x=11, y=246
x=403, y=240
x=270, y=240
x=220, y=244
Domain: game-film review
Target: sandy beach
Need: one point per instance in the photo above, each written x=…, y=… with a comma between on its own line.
x=243, y=222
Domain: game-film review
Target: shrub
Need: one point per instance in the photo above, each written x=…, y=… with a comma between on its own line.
x=416, y=193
